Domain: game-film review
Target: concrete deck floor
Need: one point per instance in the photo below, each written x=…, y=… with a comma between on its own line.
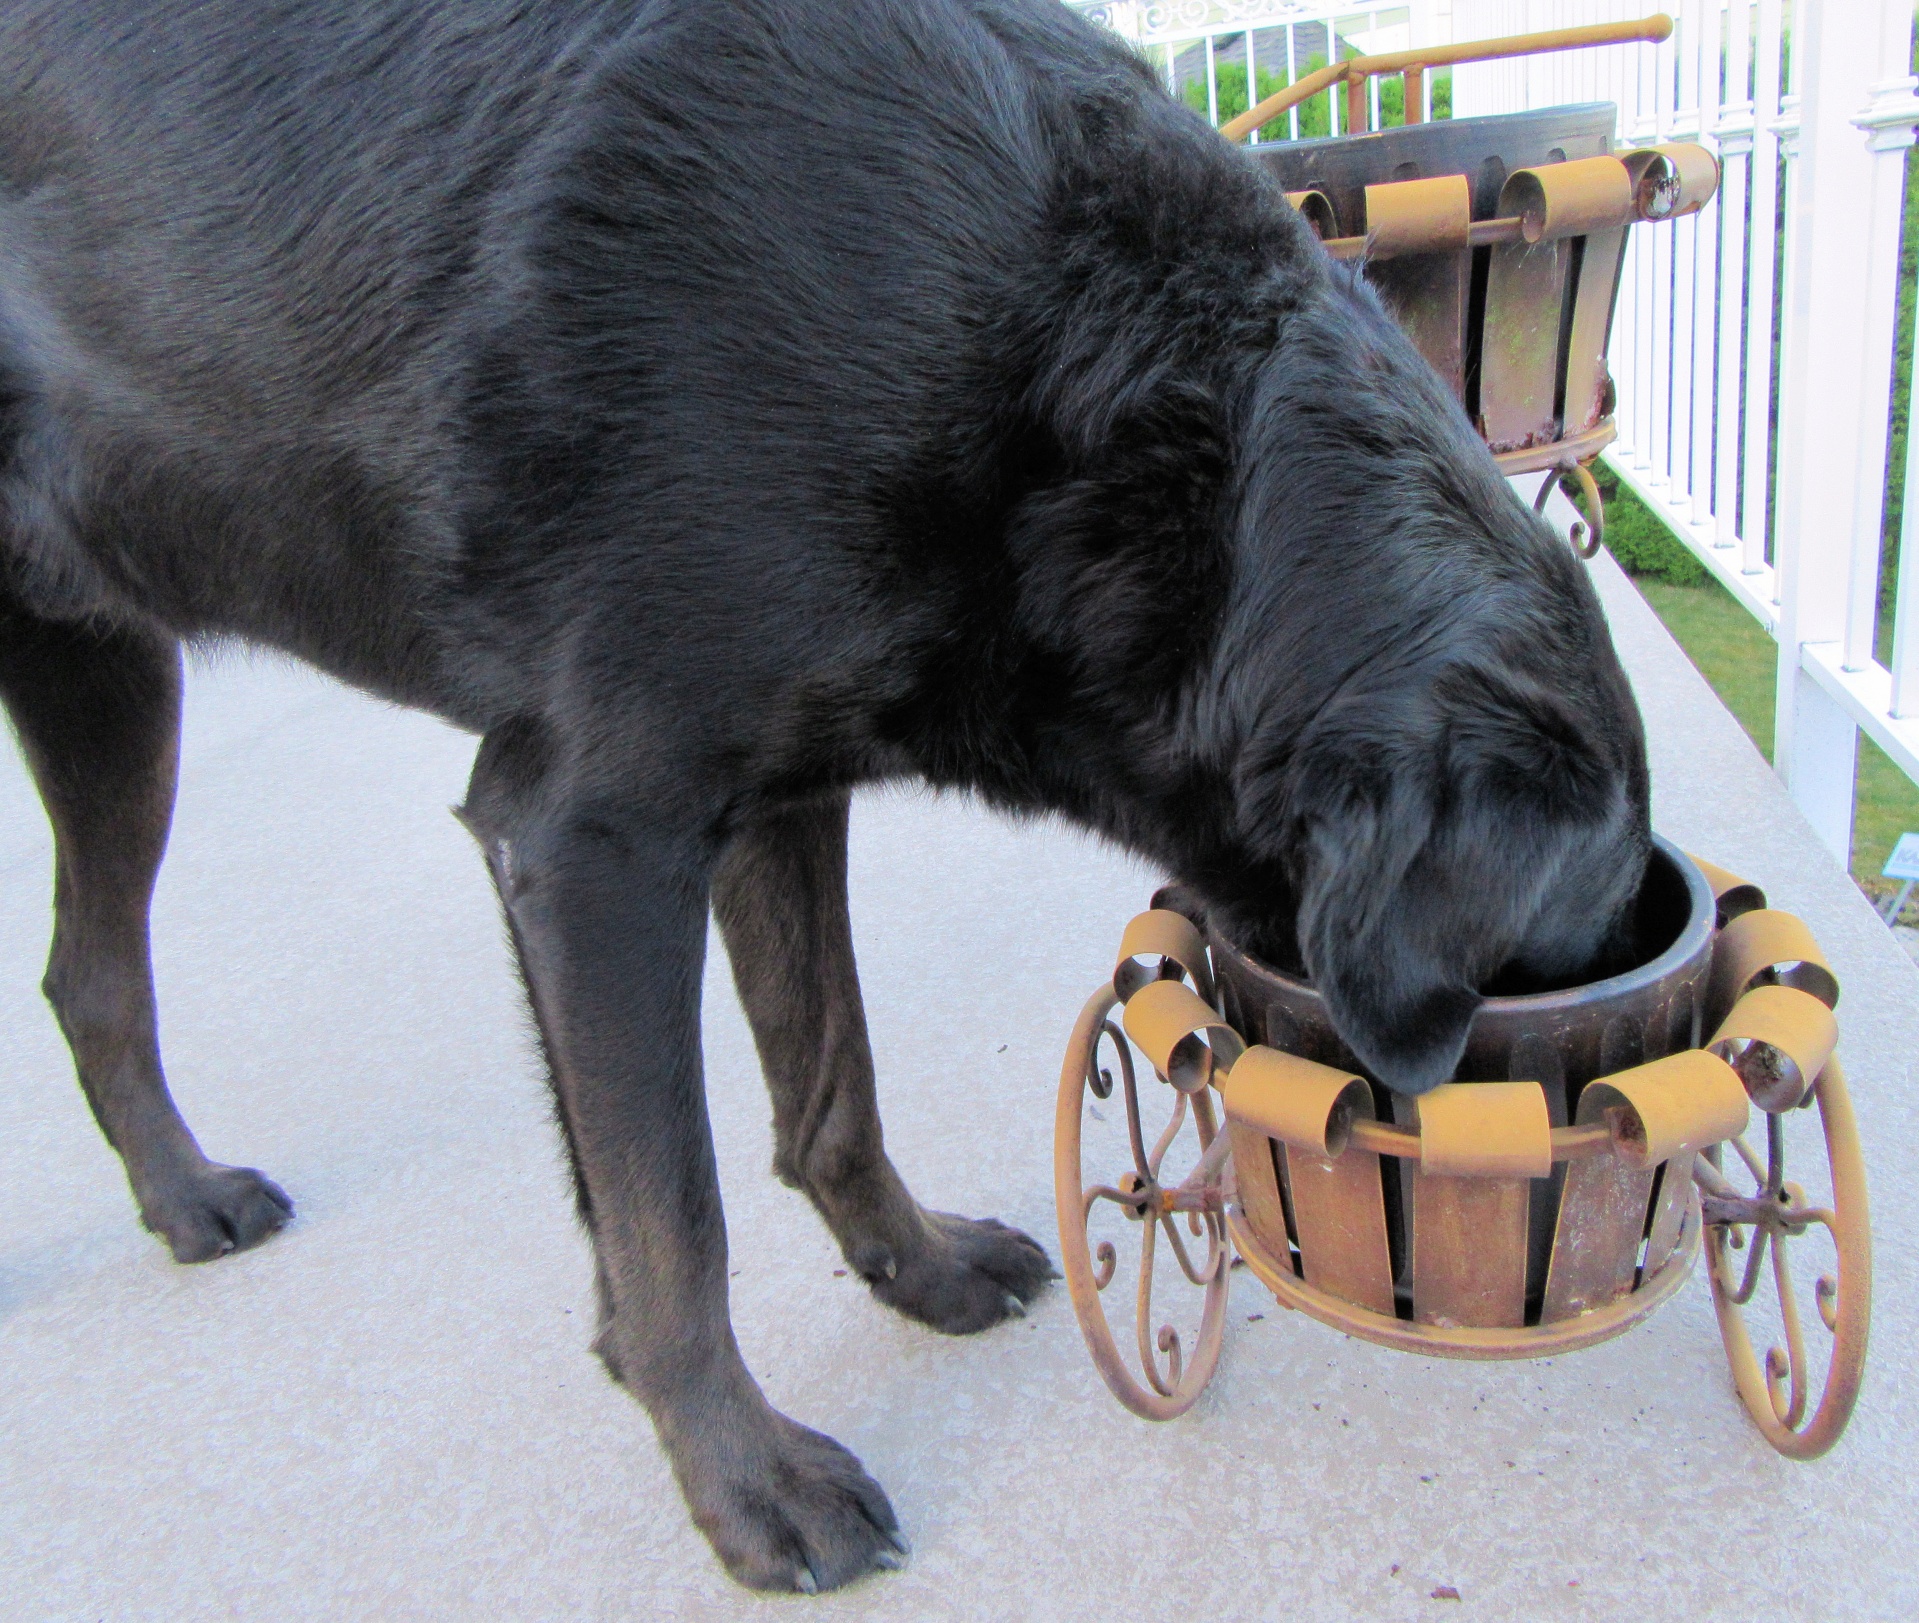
x=390, y=1410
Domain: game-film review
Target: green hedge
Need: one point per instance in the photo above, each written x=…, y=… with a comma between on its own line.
x=1639, y=541
x=1312, y=113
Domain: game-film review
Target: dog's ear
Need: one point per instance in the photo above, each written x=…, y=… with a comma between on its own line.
x=1378, y=933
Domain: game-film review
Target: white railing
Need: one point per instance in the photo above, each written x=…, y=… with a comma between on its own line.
x=1784, y=508
x=1191, y=41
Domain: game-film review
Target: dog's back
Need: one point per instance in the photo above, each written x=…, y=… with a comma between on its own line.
x=279, y=282
x=233, y=236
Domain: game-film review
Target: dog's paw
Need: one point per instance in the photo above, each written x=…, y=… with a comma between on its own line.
x=215, y=1209
x=968, y=1275
x=793, y=1510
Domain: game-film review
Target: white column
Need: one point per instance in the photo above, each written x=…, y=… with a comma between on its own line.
x=1887, y=124
x=1706, y=278
x=1828, y=397
x=1733, y=134
x=1905, y=635
x=1684, y=235
x=1658, y=337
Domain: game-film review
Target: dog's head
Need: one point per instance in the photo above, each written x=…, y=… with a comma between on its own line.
x=1425, y=842
x=1438, y=772
x=1304, y=646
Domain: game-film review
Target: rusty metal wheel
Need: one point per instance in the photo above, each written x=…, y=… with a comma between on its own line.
x=1779, y=1393
x=1104, y=1112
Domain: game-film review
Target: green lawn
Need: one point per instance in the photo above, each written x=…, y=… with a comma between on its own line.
x=1736, y=656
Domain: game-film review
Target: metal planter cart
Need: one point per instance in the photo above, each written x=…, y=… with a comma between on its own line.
x=1595, y=1142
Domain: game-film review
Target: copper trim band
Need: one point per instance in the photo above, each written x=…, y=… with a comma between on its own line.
x=1734, y=895
x=1778, y=1039
x=1670, y=1107
x=1768, y=947
x=1485, y=1130
x=1181, y=1033
x=1317, y=208
x=1164, y=935
x=1671, y=180
x=1569, y=199
x=1300, y=1103
x=1419, y=217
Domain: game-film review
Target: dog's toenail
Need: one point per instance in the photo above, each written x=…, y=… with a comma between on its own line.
x=874, y=1263
x=805, y=1582
x=888, y=1561
x=898, y=1540
x=1015, y=1306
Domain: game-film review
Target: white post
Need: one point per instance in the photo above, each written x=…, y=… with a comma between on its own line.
x=1657, y=338
x=1292, y=73
x=1633, y=328
x=1826, y=396
x=1887, y=123
x=1685, y=276
x=1763, y=177
x=1905, y=635
x=1252, y=85
x=1733, y=133
x=1706, y=275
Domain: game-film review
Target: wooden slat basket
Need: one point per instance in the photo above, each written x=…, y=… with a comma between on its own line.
x=1549, y=1197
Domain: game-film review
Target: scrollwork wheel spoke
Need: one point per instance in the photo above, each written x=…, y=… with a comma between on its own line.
x=1165, y=1373
x=1129, y=1082
x=1105, y=1191
x=1761, y=1239
x=1752, y=1161
x=1108, y=1258
x=1169, y=1345
x=1165, y=1140
x=1794, y=1409
x=1214, y=1245
x=1143, y=1314
x=1797, y=1418
x=1826, y=1296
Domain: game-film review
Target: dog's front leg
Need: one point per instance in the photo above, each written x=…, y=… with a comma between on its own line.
x=780, y=896
x=608, y=914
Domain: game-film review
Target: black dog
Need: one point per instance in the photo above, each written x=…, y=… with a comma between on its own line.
x=715, y=406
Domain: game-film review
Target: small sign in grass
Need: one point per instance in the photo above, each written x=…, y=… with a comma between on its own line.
x=1904, y=861
x=1902, y=865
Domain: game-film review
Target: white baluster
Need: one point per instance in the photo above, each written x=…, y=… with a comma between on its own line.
x=1734, y=136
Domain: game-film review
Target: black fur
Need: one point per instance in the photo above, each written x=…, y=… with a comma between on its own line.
x=716, y=407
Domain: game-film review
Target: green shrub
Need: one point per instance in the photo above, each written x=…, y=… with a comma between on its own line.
x=1639, y=541
x=1312, y=113
x=1232, y=98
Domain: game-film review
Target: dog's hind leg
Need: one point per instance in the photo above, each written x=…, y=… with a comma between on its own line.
x=780, y=897
x=97, y=714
